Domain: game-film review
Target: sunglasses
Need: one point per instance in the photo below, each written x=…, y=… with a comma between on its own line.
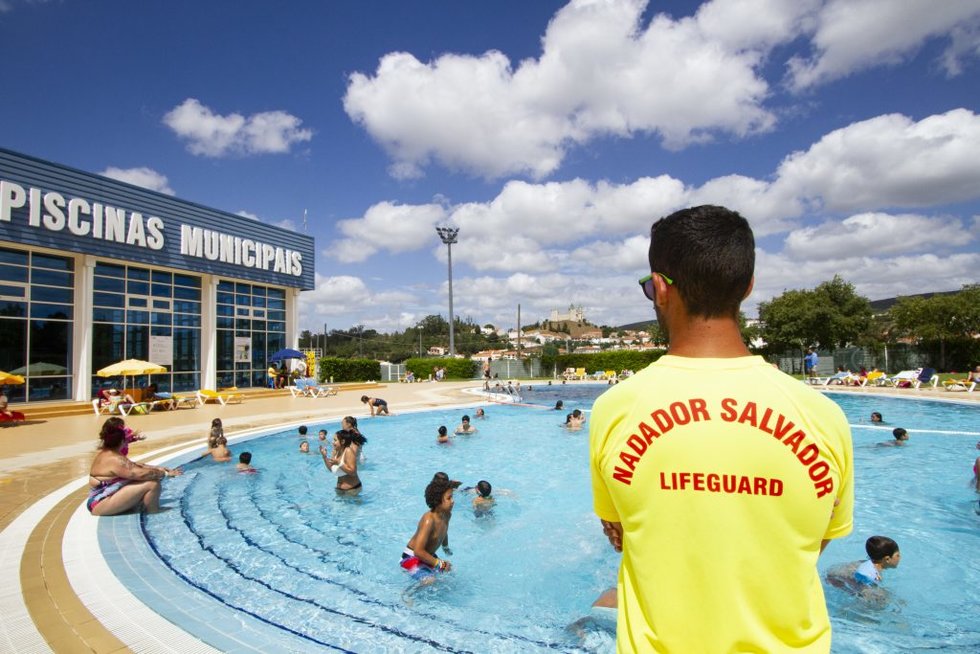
x=646, y=283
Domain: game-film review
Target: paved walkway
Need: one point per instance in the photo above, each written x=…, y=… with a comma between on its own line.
x=42, y=463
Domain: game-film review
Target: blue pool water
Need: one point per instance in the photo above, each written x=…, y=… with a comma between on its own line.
x=281, y=545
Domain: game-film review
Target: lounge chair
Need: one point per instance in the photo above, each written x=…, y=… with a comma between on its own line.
x=960, y=385
x=875, y=378
x=299, y=388
x=610, y=374
x=569, y=373
x=841, y=378
x=223, y=397
x=316, y=389
x=902, y=379
x=927, y=376
x=580, y=373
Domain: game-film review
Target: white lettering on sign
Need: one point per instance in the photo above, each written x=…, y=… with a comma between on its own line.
x=216, y=246
x=53, y=212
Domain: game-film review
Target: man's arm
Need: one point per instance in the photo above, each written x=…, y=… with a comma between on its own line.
x=614, y=532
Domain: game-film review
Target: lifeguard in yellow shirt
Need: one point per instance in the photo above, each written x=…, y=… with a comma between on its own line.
x=719, y=478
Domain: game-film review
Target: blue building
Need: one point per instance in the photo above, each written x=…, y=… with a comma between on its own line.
x=93, y=271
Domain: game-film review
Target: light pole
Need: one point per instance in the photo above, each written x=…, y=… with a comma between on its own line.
x=448, y=236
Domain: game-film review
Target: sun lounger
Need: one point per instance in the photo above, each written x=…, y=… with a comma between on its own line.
x=186, y=401
x=298, y=389
x=223, y=397
x=960, y=385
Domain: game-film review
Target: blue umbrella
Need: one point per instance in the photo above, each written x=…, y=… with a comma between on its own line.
x=288, y=353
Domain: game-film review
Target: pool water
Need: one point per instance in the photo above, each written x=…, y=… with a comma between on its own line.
x=283, y=546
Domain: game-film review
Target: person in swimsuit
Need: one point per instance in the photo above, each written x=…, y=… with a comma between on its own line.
x=118, y=484
x=976, y=470
x=480, y=413
x=465, y=427
x=343, y=463
x=378, y=406
x=443, y=435
x=419, y=557
x=350, y=424
x=901, y=438
x=864, y=577
x=876, y=418
x=217, y=443
x=304, y=447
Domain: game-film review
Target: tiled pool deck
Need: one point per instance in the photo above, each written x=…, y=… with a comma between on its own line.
x=78, y=584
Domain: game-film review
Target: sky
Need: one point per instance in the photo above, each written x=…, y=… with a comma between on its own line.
x=551, y=134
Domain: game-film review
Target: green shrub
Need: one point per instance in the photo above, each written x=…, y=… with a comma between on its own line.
x=349, y=370
x=455, y=368
x=609, y=360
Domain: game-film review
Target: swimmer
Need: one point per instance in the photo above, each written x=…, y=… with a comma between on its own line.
x=350, y=424
x=465, y=427
x=876, y=418
x=322, y=436
x=559, y=406
x=378, y=406
x=864, y=577
x=419, y=557
x=976, y=471
x=901, y=438
x=480, y=413
x=443, y=435
x=304, y=447
x=455, y=483
x=245, y=463
x=483, y=502
x=343, y=464
x=302, y=431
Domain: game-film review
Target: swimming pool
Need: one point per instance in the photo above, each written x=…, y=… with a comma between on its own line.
x=282, y=546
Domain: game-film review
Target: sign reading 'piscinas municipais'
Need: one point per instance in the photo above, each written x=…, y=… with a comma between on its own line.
x=81, y=218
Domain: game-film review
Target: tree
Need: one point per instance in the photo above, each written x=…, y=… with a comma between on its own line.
x=943, y=321
x=829, y=316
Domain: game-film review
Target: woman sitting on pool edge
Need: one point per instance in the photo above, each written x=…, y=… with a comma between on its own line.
x=344, y=462
x=119, y=484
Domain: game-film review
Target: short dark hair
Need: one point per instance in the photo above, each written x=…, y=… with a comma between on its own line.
x=466, y=418
x=899, y=433
x=245, y=457
x=302, y=430
x=878, y=547
x=442, y=430
x=484, y=488
x=709, y=253
x=435, y=490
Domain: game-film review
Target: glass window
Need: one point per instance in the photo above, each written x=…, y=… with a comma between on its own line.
x=225, y=323
x=226, y=298
x=161, y=305
x=186, y=320
x=277, y=304
x=13, y=309
x=108, y=315
x=13, y=344
x=48, y=294
x=186, y=293
x=108, y=300
x=187, y=280
x=51, y=344
x=113, y=284
x=13, y=274
x=52, y=278
x=137, y=342
x=226, y=286
x=18, y=257
x=245, y=289
x=160, y=290
x=162, y=318
x=110, y=270
x=13, y=291
x=161, y=277
x=187, y=348
x=51, y=261
x=54, y=311
x=137, y=288
x=107, y=345
x=139, y=273
x=140, y=302
x=183, y=306
x=138, y=318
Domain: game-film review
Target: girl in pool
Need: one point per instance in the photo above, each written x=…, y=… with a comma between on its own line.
x=343, y=463
x=217, y=443
x=350, y=424
x=119, y=484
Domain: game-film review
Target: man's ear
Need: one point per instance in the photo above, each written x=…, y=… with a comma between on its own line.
x=748, y=291
x=659, y=291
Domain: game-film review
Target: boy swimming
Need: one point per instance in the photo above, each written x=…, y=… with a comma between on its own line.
x=483, y=502
x=419, y=557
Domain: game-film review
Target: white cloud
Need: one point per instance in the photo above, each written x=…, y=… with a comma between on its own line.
x=286, y=223
x=600, y=72
x=246, y=214
x=964, y=43
x=854, y=35
x=877, y=234
x=144, y=177
x=888, y=161
x=213, y=135
x=389, y=226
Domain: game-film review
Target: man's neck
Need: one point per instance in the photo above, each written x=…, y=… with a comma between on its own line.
x=703, y=338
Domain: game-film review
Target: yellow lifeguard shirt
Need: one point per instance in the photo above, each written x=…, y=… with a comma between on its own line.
x=726, y=475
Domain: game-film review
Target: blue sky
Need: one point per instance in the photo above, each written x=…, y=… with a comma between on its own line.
x=553, y=134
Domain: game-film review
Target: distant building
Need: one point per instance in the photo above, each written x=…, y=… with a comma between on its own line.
x=574, y=314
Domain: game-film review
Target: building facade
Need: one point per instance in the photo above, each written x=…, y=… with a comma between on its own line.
x=94, y=271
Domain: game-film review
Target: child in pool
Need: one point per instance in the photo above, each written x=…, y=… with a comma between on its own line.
x=483, y=502
x=443, y=437
x=865, y=577
x=901, y=438
x=419, y=557
x=304, y=447
x=245, y=463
